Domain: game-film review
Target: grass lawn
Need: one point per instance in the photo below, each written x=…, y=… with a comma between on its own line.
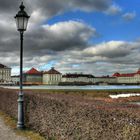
x=92, y=93
x=25, y=133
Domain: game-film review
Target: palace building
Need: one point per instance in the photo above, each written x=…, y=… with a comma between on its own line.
x=128, y=78
x=105, y=80
x=52, y=77
x=32, y=76
x=87, y=78
x=15, y=79
x=5, y=74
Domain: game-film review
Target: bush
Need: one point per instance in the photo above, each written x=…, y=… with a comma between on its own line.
x=69, y=117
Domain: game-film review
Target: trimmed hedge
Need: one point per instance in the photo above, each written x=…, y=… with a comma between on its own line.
x=69, y=117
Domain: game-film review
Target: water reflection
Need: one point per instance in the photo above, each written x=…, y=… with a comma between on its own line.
x=76, y=87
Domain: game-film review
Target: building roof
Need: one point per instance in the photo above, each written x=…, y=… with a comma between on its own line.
x=76, y=75
x=116, y=74
x=3, y=66
x=138, y=72
x=33, y=71
x=52, y=71
x=126, y=74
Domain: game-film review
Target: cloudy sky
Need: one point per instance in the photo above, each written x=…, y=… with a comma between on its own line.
x=90, y=36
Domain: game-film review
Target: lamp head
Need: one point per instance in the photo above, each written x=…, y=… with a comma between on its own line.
x=22, y=19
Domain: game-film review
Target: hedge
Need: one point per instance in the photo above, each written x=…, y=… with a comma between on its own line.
x=69, y=117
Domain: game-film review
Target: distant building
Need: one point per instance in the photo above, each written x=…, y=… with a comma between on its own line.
x=52, y=77
x=105, y=80
x=128, y=78
x=32, y=76
x=87, y=78
x=5, y=74
x=15, y=79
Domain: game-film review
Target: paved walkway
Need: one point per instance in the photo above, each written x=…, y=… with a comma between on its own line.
x=6, y=133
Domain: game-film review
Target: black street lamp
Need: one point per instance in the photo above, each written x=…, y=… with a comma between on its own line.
x=21, y=21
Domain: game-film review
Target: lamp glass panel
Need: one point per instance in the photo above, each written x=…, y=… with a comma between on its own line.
x=16, y=22
x=25, y=23
x=20, y=23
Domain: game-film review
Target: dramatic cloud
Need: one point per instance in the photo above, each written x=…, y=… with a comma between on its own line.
x=49, y=39
x=110, y=49
x=44, y=9
x=65, y=45
x=61, y=36
x=58, y=6
x=8, y=6
x=129, y=16
x=107, y=57
x=57, y=37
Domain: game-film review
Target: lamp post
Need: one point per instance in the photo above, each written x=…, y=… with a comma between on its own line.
x=21, y=21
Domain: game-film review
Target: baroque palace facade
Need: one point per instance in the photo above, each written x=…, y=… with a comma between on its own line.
x=54, y=77
x=128, y=78
x=5, y=74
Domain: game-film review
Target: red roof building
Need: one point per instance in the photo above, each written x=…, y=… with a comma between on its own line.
x=138, y=72
x=126, y=74
x=33, y=71
x=116, y=74
x=32, y=77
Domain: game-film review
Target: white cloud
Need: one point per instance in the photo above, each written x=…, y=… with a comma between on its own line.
x=109, y=49
x=113, y=10
x=129, y=16
x=103, y=58
x=69, y=29
x=36, y=18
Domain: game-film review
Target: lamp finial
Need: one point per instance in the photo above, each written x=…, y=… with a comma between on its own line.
x=22, y=6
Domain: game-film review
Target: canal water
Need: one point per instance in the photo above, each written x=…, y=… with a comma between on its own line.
x=93, y=87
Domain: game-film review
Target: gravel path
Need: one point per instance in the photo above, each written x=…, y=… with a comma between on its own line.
x=8, y=134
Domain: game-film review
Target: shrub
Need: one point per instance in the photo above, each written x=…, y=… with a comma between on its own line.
x=69, y=117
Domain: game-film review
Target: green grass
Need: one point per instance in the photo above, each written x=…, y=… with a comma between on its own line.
x=84, y=93
x=91, y=93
